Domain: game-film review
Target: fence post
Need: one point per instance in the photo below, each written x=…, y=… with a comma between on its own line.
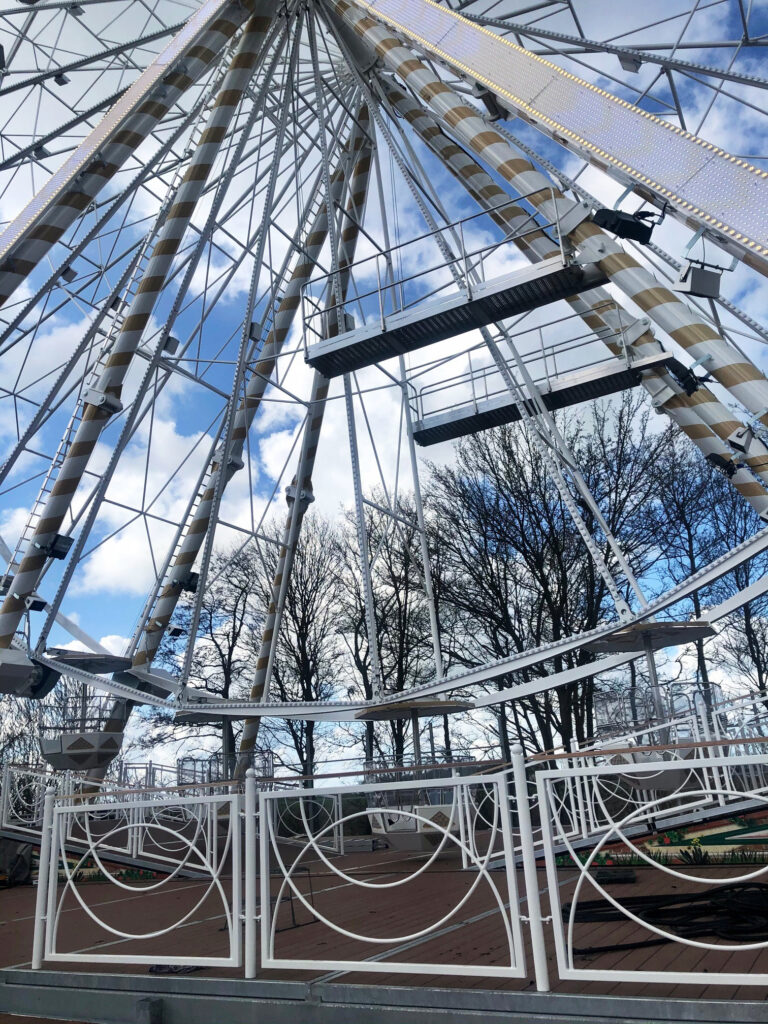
x=465, y=824
x=266, y=810
x=340, y=827
x=5, y=796
x=717, y=780
x=251, y=873
x=43, y=874
x=535, y=924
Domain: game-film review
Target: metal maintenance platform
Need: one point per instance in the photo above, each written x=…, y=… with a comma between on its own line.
x=557, y=393
x=412, y=328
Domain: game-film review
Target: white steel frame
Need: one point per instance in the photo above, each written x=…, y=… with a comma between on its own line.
x=479, y=864
x=555, y=842
x=140, y=817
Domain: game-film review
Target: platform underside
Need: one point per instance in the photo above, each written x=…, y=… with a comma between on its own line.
x=597, y=382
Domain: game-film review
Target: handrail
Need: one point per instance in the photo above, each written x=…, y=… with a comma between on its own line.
x=684, y=745
x=296, y=778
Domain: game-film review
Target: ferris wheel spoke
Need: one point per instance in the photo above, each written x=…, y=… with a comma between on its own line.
x=220, y=412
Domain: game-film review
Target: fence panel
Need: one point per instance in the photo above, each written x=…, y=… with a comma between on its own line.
x=411, y=895
x=93, y=903
x=691, y=901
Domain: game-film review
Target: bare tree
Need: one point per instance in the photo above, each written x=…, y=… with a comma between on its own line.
x=308, y=650
x=404, y=643
x=514, y=567
x=231, y=614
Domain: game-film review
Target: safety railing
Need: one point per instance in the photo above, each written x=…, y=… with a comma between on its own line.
x=693, y=903
x=423, y=269
x=22, y=798
x=481, y=383
x=415, y=876
x=437, y=830
x=198, y=836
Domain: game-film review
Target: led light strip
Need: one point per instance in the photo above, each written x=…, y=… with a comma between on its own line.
x=695, y=215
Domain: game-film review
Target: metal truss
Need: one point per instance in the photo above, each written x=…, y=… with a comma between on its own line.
x=154, y=398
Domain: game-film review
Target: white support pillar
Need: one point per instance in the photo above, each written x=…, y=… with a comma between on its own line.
x=535, y=923
x=43, y=876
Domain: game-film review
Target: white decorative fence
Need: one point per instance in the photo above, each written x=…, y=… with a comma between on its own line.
x=448, y=879
x=455, y=828
x=653, y=919
x=22, y=798
x=199, y=836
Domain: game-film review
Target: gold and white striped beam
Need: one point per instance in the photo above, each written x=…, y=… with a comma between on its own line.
x=98, y=408
x=704, y=420
x=27, y=239
x=704, y=186
x=256, y=386
x=701, y=417
x=728, y=366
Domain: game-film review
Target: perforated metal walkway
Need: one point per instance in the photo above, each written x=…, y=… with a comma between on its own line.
x=524, y=290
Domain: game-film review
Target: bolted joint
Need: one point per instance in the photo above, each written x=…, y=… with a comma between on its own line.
x=110, y=404
x=490, y=101
x=233, y=462
x=304, y=496
x=741, y=439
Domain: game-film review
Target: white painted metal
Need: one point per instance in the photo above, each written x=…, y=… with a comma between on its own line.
x=619, y=829
x=704, y=186
x=200, y=834
x=448, y=837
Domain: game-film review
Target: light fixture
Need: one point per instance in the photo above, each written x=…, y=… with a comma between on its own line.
x=630, y=62
x=637, y=227
x=700, y=279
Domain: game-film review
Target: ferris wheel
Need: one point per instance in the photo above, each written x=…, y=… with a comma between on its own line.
x=255, y=251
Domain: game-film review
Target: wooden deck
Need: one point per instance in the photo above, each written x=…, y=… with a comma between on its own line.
x=475, y=935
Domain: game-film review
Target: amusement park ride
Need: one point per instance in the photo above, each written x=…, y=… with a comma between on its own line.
x=231, y=222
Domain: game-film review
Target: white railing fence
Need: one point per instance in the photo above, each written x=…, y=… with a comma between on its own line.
x=196, y=836
x=432, y=813
x=22, y=798
x=438, y=876
x=687, y=899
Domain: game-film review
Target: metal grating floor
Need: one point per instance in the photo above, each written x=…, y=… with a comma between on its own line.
x=526, y=289
x=597, y=382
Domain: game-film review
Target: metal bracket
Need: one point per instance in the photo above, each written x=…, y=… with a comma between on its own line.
x=662, y=396
x=627, y=192
x=110, y=404
x=635, y=330
x=595, y=247
x=700, y=361
x=233, y=462
x=576, y=214
x=303, y=495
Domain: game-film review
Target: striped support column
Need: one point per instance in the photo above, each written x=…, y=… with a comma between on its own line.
x=701, y=417
x=301, y=487
x=23, y=257
x=743, y=379
x=110, y=384
x=251, y=403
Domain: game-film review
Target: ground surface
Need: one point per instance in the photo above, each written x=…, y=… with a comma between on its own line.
x=471, y=933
